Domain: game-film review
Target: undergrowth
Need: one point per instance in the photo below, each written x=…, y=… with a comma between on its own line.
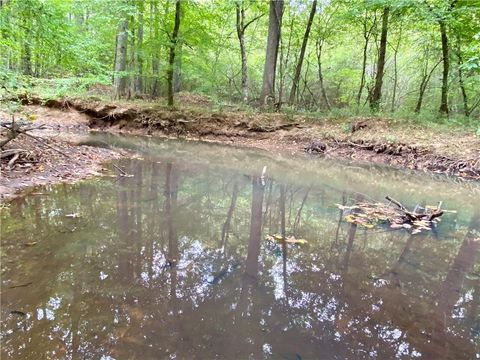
x=98, y=86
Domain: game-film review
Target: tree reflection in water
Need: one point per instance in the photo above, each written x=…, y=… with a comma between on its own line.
x=173, y=263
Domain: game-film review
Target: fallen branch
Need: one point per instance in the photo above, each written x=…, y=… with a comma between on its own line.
x=10, y=152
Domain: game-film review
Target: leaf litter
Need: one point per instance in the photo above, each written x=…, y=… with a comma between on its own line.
x=394, y=214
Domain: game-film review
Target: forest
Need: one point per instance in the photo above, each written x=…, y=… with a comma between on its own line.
x=240, y=179
x=413, y=58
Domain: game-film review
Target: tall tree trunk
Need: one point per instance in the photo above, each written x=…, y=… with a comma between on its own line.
x=241, y=38
x=273, y=40
x=446, y=65
x=139, y=78
x=155, y=89
x=171, y=59
x=120, y=79
x=376, y=94
x=298, y=68
x=320, y=75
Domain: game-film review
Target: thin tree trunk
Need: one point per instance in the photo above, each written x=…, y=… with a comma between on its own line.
x=446, y=65
x=320, y=75
x=362, y=79
x=171, y=59
x=273, y=40
x=120, y=80
x=348, y=252
x=131, y=62
x=296, y=222
x=241, y=28
x=27, y=55
x=226, y=225
x=155, y=90
x=241, y=38
x=139, y=83
x=423, y=85
x=298, y=68
x=366, y=36
x=461, y=82
x=376, y=94
x=395, y=70
x=284, y=63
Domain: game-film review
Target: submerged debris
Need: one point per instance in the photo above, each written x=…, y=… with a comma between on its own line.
x=369, y=215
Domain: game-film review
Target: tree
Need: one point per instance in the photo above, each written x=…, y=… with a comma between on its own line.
x=139, y=62
x=171, y=58
x=241, y=27
x=426, y=75
x=441, y=14
x=120, y=79
x=376, y=93
x=298, y=68
x=367, y=30
x=273, y=40
x=325, y=30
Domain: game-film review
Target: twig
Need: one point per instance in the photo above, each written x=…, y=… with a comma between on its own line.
x=119, y=169
x=10, y=152
x=359, y=145
x=47, y=145
x=12, y=160
x=20, y=285
x=396, y=203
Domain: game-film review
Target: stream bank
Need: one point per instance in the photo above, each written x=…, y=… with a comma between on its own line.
x=52, y=155
x=360, y=139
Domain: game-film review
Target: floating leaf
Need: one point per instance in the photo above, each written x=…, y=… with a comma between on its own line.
x=33, y=243
x=293, y=240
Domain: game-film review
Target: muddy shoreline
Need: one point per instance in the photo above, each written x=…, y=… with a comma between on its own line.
x=269, y=131
x=453, y=154
x=54, y=156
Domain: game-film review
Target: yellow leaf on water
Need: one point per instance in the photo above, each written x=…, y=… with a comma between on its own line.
x=350, y=218
x=293, y=240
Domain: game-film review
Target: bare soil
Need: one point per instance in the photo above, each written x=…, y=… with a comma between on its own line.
x=54, y=157
x=367, y=139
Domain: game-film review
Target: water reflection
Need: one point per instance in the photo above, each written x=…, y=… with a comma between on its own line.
x=172, y=263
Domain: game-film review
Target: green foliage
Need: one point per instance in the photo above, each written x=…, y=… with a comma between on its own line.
x=64, y=47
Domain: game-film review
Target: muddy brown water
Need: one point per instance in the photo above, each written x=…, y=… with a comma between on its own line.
x=172, y=263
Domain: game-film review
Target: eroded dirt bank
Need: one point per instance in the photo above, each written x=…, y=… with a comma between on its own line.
x=369, y=139
x=361, y=139
x=52, y=154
